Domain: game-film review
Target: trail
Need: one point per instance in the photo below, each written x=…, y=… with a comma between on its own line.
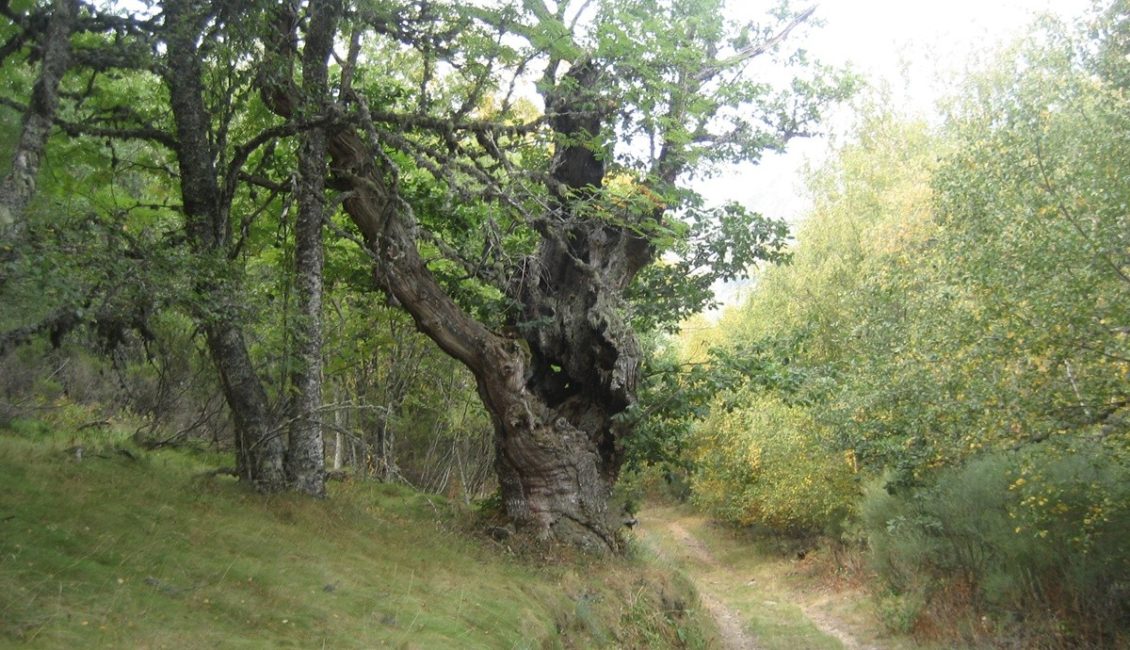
x=734, y=597
x=729, y=621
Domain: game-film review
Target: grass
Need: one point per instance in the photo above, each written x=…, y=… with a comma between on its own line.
x=136, y=549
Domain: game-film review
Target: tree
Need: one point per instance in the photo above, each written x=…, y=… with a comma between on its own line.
x=206, y=208
x=306, y=448
x=560, y=367
x=18, y=186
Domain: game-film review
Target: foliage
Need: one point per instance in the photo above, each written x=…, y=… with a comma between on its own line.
x=763, y=462
x=672, y=397
x=985, y=532
x=718, y=245
x=953, y=325
x=767, y=453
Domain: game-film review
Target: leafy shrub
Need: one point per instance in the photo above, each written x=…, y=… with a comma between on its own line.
x=764, y=463
x=900, y=612
x=1031, y=533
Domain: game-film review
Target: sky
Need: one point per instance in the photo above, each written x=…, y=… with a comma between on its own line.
x=919, y=48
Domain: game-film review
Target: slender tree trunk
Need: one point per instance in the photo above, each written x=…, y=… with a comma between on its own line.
x=339, y=425
x=18, y=187
x=337, y=451
x=306, y=453
x=259, y=449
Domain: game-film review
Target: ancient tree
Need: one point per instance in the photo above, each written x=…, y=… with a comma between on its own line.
x=464, y=197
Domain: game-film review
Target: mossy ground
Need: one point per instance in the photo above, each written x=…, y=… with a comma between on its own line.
x=127, y=548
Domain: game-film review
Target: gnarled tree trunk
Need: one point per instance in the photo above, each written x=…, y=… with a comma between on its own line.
x=553, y=400
x=557, y=465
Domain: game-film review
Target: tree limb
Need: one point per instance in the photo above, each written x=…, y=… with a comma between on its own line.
x=754, y=50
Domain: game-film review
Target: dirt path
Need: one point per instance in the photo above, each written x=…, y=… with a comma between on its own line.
x=734, y=634
x=726, y=589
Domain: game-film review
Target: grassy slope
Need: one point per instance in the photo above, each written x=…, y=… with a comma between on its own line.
x=145, y=552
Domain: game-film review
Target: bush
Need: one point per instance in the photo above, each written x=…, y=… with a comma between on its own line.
x=900, y=612
x=1035, y=538
x=656, y=482
x=764, y=463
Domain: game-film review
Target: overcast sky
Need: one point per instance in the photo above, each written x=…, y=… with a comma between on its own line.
x=917, y=47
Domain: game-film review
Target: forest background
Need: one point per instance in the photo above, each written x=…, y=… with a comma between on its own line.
x=940, y=372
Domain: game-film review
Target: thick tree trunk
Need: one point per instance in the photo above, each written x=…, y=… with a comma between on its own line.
x=259, y=450
x=557, y=466
x=18, y=187
x=306, y=451
x=555, y=478
x=557, y=455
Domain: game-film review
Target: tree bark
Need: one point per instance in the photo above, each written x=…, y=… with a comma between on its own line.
x=18, y=187
x=306, y=449
x=558, y=467
x=259, y=450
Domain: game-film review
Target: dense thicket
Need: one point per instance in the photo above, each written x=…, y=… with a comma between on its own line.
x=942, y=371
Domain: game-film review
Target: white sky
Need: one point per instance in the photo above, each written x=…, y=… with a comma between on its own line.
x=917, y=47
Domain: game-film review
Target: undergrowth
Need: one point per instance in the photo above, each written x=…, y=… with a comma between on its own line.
x=980, y=556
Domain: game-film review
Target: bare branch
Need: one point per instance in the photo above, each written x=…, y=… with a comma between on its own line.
x=244, y=151
x=151, y=134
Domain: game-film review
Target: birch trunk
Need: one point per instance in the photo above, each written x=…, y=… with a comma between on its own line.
x=306, y=463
